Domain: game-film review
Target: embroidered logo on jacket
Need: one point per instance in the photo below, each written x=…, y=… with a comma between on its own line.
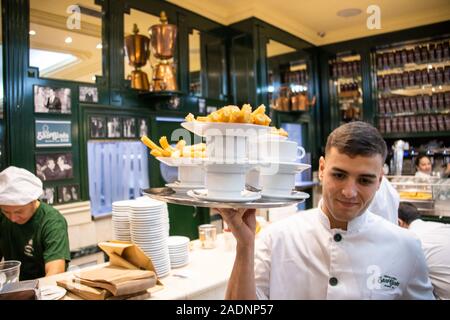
x=388, y=281
x=29, y=250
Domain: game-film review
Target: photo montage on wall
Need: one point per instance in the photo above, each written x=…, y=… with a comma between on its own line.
x=52, y=100
x=129, y=127
x=68, y=193
x=88, y=94
x=114, y=127
x=54, y=166
x=143, y=127
x=97, y=127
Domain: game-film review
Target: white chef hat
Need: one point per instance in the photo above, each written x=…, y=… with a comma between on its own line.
x=18, y=187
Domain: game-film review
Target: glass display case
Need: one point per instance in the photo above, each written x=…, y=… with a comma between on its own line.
x=288, y=79
x=346, y=86
x=413, y=86
x=290, y=91
x=430, y=195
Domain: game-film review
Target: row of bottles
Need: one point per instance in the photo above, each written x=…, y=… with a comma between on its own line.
x=425, y=53
x=413, y=124
x=438, y=102
x=428, y=76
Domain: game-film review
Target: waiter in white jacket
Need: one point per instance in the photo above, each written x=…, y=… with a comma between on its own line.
x=435, y=239
x=339, y=250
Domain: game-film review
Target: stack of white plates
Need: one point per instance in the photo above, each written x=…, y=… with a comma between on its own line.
x=166, y=211
x=121, y=220
x=148, y=221
x=178, y=251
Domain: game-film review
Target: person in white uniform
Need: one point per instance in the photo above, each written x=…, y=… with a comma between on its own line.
x=435, y=239
x=386, y=201
x=423, y=166
x=339, y=250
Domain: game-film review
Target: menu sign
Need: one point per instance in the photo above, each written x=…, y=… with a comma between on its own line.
x=53, y=133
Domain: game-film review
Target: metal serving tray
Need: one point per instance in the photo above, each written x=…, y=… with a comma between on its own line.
x=170, y=196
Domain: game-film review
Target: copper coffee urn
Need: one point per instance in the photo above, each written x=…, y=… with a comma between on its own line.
x=138, y=52
x=162, y=40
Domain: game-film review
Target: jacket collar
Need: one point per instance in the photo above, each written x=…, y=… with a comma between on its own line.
x=353, y=226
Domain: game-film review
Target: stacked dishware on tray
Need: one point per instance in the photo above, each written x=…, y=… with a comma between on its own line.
x=240, y=154
x=178, y=251
x=121, y=220
x=149, y=230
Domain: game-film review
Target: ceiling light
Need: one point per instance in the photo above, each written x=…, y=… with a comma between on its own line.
x=32, y=33
x=93, y=78
x=99, y=46
x=68, y=40
x=349, y=12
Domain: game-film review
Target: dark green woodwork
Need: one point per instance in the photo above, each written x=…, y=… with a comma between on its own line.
x=234, y=70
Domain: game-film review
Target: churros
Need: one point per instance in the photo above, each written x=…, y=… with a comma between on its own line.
x=180, y=150
x=232, y=114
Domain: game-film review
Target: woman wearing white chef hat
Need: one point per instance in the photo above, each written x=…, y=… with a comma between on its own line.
x=30, y=231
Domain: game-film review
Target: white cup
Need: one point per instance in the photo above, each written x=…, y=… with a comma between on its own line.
x=226, y=149
x=225, y=180
x=278, y=184
x=278, y=150
x=194, y=175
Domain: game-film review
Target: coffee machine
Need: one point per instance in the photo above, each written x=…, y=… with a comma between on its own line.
x=138, y=52
x=162, y=41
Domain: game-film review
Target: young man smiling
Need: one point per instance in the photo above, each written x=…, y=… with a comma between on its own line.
x=339, y=250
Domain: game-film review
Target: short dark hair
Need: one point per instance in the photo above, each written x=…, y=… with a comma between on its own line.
x=420, y=158
x=357, y=139
x=408, y=212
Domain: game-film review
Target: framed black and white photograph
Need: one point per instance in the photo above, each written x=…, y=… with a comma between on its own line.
x=68, y=193
x=143, y=127
x=114, y=127
x=54, y=166
x=52, y=100
x=88, y=94
x=49, y=195
x=97, y=127
x=129, y=127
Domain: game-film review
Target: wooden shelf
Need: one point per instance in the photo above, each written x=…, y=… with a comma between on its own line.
x=404, y=114
x=412, y=66
x=155, y=94
x=414, y=91
x=405, y=135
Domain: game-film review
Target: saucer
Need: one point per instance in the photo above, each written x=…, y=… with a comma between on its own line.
x=183, y=187
x=202, y=194
x=295, y=195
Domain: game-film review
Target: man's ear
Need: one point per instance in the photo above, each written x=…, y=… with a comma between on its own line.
x=402, y=224
x=321, y=167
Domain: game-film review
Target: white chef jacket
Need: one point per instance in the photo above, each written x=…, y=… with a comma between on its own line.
x=435, y=238
x=386, y=201
x=300, y=257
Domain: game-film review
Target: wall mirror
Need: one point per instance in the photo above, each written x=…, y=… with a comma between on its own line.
x=66, y=39
x=143, y=21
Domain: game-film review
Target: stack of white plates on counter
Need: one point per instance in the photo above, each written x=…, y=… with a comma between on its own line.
x=178, y=251
x=121, y=220
x=149, y=231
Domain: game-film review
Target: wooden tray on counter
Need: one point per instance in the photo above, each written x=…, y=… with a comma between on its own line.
x=170, y=196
